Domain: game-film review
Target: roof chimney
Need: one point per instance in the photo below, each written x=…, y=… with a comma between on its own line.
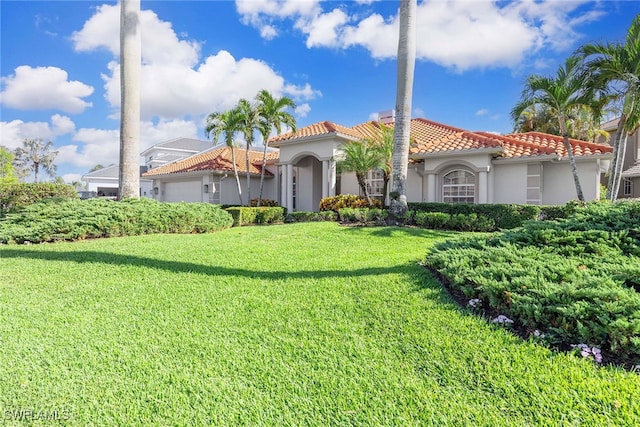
x=387, y=117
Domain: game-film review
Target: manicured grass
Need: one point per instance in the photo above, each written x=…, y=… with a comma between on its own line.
x=300, y=324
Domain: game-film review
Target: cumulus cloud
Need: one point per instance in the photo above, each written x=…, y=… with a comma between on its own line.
x=174, y=81
x=458, y=34
x=14, y=132
x=482, y=112
x=44, y=88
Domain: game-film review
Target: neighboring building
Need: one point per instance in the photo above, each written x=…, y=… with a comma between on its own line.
x=104, y=182
x=630, y=184
x=208, y=177
x=173, y=150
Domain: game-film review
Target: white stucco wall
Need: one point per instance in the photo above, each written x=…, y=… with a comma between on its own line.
x=414, y=185
x=349, y=183
x=559, y=186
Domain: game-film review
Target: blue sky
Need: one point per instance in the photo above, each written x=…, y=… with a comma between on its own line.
x=60, y=74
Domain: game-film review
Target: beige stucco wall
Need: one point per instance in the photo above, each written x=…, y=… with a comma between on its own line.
x=324, y=149
x=510, y=183
x=414, y=185
x=558, y=183
x=349, y=183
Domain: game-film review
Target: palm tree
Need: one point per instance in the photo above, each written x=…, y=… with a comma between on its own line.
x=226, y=123
x=248, y=122
x=360, y=158
x=406, y=68
x=383, y=143
x=7, y=170
x=618, y=65
x=271, y=116
x=562, y=95
x=130, y=67
x=34, y=155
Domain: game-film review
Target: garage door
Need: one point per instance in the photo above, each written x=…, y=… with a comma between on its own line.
x=183, y=191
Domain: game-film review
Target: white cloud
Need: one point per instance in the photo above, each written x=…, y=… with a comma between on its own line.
x=175, y=83
x=458, y=34
x=71, y=177
x=302, y=110
x=482, y=112
x=14, y=132
x=44, y=88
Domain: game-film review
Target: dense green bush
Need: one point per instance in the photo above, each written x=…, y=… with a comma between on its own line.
x=575, y=280
x=302, y=216
x=71, y=219
x=243, y=215
x=370, y=216
x=335, y=203
x=264, y=202
x=503, y=216
x=18, y=195
x=458, y=222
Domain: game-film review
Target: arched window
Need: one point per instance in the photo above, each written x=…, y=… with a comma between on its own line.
x=459, y=186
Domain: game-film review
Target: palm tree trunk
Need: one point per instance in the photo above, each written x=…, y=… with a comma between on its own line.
x=264, y=163
x=401, y=138
x=235, y=173
x=572, y=159
x=36, y=169
x=130, y=68
x=616, y=160
x=363, y=186
x=248, y=177
x=622, y=151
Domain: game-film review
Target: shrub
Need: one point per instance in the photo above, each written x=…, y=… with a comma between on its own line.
x=363, y=215
x=311, y=216
x=264, y=203
x=502, y=216
x=243, y=215
x=435, y=220
x=574, y=279
x=18, y=195
x=72, y=219
x=335, y=203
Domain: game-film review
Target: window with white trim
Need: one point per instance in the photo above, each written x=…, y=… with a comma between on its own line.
x=375, y=183
x=627, y=187
x=459, y=186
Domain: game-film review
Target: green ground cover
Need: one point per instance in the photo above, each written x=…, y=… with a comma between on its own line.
x=297, y=324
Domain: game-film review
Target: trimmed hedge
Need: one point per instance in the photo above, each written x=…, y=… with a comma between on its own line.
x=72, y=219
x=503, y=216
x=335, y=203
x=18, y=195
x=573, y=281
x=243, y=215
x=302, y=216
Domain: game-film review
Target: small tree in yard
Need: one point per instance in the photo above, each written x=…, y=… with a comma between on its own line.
x=36, y=155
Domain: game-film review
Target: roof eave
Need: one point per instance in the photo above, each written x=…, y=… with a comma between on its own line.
x=311, y=138
x=457, y=153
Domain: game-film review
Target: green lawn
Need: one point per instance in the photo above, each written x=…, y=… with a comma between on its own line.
x=301, y=324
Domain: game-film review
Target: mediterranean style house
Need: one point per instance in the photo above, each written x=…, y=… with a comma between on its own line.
x=446, y=164
x=630, y=185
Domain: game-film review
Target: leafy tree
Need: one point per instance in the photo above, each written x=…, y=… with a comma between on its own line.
x=34, y=155
x=96, y=168
x=130, y=68
x=7, y=171
x=618, y=65
x=271, y=115
x=360, y=157
x=248, y=123
x=562, y=95
x=227, y=123
x=406, y=68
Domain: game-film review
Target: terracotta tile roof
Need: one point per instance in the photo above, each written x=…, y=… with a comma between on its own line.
x=316, y=129
x=556, y=144
x=432, y=137
x=217, y=159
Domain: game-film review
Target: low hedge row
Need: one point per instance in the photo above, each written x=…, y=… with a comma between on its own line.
x=243, y=215
x=302, y=216
x=71, y=219
x=367, y=216
x=18, y=195
x=575, y=282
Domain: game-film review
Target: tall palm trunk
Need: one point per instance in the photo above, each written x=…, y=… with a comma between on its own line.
x=248, y=177
x=572, y=159
x=620, y=165
x=36, y=170
x=130, y=68
x=235, y=173
x=616, y=161
x=264, y=165
x=401, y=139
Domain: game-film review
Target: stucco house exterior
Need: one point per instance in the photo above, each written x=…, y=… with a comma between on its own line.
x=446, y=164
x=630, y=185
x=104, y=182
